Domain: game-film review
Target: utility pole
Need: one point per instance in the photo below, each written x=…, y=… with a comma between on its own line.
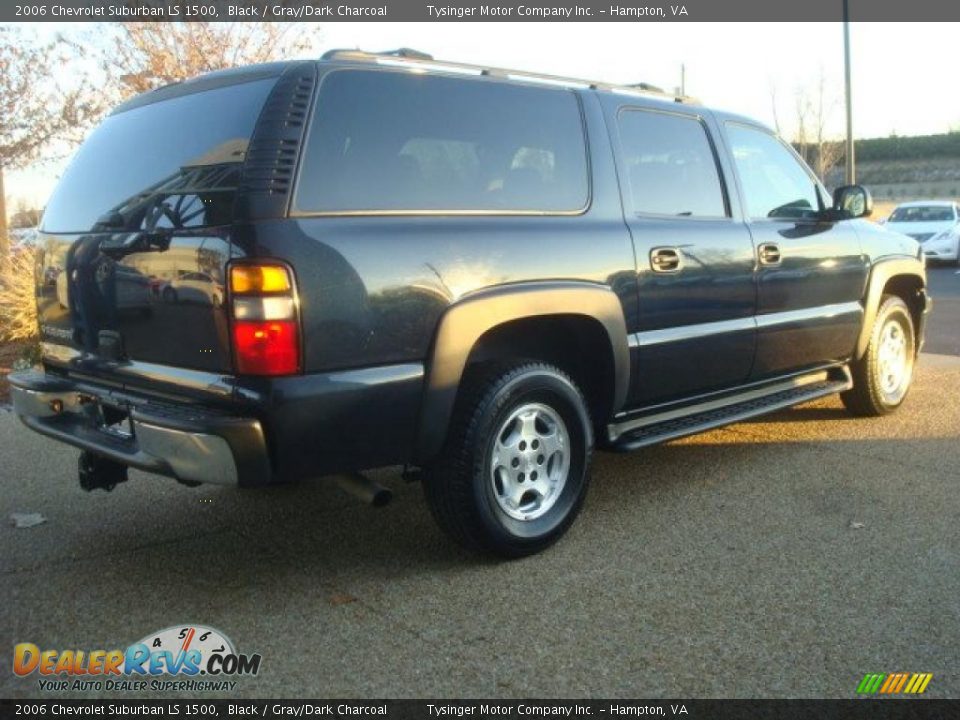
x=851, y=164
x=683, y=80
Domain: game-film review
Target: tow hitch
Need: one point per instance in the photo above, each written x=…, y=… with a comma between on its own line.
x=98, y=472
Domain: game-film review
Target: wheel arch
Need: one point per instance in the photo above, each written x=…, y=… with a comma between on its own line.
x=498, y=313
x=904, y=277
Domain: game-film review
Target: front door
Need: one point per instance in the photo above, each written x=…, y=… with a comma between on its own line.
x=810, y=273
x=695, y=260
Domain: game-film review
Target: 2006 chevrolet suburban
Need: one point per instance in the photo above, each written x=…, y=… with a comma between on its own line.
x=309, y=268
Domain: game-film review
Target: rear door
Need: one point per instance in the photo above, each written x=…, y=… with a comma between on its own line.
x=147, y=201
x=810, y=273
x=695, y=260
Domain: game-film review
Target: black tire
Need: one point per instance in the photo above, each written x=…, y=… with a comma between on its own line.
x=462, y=486
x=870, y=397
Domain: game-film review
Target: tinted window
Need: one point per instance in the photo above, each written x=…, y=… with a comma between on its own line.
x=168, y=164
x=922, y=213
x=393, y=141
x=775, y=183
x=670, y=165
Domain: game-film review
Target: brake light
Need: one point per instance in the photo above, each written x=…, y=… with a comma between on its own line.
x=266, y=348
x=266, y=334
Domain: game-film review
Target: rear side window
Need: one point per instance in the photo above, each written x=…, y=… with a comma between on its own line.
x=166, y=165
x=670, y=165
x=402, y=142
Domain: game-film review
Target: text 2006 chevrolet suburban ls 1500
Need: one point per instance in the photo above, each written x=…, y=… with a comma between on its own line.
x=379, y=259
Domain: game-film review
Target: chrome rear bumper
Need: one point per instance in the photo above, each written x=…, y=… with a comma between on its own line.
x=180, y=441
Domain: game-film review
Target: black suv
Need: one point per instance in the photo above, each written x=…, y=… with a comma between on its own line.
x=306, y=269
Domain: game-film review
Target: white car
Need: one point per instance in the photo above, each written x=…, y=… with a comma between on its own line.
x=935, y=224
x=131, y=287
x=193, y=287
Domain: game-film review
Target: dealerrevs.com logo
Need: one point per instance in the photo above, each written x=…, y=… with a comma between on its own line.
x=182, y=657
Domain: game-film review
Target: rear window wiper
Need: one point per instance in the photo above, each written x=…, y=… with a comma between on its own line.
x=110, y=221
x=156, y=240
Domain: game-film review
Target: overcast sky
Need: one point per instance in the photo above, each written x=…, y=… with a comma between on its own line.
x=903, y=74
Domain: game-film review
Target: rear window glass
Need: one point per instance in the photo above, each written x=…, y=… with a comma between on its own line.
x=169, y=164
x=393, y=142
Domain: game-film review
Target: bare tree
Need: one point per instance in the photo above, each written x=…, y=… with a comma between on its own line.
x=814, y=108
x=26, y=215
x=141, y=57
x=772, y=87
x=34, y=110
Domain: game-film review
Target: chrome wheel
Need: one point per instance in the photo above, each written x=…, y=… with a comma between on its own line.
x=894, y=364
x=530, y=461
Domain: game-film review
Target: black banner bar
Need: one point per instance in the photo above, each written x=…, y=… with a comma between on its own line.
x=459, y=11
x=862, y=709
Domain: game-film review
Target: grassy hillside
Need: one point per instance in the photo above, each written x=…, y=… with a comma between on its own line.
x=906, y=168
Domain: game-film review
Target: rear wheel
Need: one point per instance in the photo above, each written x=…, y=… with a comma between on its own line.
x=515, y=467
x=882, y=377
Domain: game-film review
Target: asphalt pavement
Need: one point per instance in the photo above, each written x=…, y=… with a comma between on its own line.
x=784, y=557
x=943, y=331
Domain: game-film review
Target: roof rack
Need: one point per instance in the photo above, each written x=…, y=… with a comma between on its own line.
x=408, y=53
x=406, y=57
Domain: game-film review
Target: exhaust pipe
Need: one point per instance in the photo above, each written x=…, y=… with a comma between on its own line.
x=364, y=489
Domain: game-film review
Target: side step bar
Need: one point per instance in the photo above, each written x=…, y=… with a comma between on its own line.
x=640, y=432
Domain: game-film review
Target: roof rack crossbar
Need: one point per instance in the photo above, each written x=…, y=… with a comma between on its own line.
x=415, y=57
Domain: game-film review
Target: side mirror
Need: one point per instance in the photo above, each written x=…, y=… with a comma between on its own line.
x=852, y=201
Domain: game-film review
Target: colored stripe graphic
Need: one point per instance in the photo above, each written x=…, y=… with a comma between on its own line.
x=889, y=683
x=870, y=683
x=894, y=683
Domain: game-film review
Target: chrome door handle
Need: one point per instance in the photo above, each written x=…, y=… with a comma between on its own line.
x=665, y=260
x=769, y=254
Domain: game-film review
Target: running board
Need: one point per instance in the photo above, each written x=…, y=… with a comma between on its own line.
x=661, y=427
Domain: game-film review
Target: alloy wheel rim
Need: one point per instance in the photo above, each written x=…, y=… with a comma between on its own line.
x=893, y=360
x=530, y=461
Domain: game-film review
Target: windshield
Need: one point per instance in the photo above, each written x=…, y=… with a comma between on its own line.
x=169, y=164
x=923, y=213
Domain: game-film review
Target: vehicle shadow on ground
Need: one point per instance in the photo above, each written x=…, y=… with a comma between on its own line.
x=294, y=565
x=238, y=539
x=802, y=415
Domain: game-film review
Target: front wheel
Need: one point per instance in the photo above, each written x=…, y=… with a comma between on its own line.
x=515, y=467
x=882, y=377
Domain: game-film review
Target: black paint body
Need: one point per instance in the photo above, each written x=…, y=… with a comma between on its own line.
x=373, y=289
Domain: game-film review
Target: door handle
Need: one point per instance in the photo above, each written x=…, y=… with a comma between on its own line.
x=769, y=254
x=665, y=260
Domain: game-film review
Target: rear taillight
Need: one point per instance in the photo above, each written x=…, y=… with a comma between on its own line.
x=266, y=333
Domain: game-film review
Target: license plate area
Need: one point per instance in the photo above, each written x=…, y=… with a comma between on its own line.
x=113, y=420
